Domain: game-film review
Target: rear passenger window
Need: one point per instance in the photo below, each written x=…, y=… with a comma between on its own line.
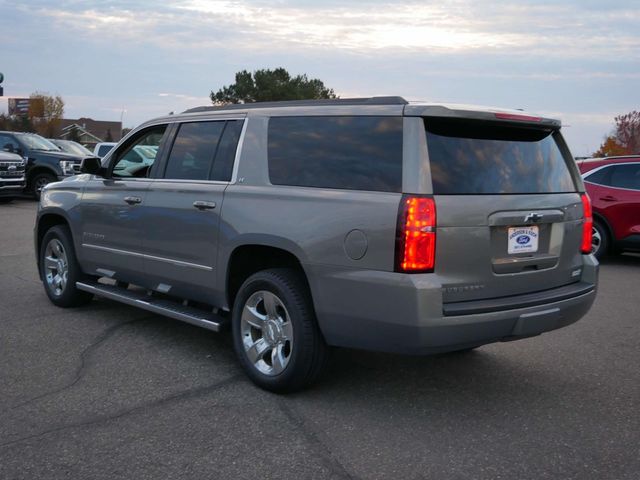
x=601, y=177
x=353, y=153
x=193, y=150
x=223, y=164
x=626, y=176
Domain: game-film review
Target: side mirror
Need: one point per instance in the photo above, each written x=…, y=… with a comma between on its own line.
x=93, y=166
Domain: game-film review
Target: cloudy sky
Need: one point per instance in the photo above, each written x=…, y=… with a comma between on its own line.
x=578, y=60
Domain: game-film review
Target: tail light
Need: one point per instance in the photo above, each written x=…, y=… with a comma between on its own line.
x=517, y=117
x=416, y=235
x=587, y=226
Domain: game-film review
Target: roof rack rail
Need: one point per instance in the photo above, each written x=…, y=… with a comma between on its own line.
x=303, y=103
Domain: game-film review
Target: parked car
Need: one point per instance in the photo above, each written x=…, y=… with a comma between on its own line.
x=613, y=184
x=11, y=176
x=366, y=223
x=46, y=163
x=102, y=148
x=69, y=146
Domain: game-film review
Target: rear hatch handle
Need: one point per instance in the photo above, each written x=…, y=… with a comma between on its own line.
x=526, y=217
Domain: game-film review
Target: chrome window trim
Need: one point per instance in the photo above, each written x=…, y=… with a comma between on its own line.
x=179, y=263
x=182, y=180
x=201, y=120
x=236, y=160
x=586, y=175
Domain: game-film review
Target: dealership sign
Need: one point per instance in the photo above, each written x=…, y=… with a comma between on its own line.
x=19, y=106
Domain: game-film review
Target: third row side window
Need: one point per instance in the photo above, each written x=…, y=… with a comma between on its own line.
x=353, y=153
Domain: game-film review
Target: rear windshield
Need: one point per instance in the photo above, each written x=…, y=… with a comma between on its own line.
x=479, y=158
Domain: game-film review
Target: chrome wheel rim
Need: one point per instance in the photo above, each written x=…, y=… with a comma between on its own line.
x=56, y=267
x=596, y=240
x=267, y=333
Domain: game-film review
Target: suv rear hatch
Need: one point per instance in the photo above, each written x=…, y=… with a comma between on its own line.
x=509, y=215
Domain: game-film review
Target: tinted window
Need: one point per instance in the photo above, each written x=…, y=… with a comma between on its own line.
x=625, y=176
x=193, y=150
x=136, y=157
x=104, y=149
x=476, y=158
x=356, y=153
x=8, y=144
x=223, y=164
x=601, y=177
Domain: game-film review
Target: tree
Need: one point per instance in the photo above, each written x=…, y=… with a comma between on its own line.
x=16, y=123
x=46, y=112
x=625, y=138
x=270, y=85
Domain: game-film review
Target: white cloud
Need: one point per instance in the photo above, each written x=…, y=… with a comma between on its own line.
x=460, y=26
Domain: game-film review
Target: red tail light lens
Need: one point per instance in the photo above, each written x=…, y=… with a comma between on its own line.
x=416, y=236
x=517, y=117
x=587, y=226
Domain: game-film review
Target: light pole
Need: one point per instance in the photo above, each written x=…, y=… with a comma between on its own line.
x=121, y=124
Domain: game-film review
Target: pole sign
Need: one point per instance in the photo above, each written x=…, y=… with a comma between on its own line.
x=19, y=106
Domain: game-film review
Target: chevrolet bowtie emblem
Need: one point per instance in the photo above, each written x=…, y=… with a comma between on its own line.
x=533, y=217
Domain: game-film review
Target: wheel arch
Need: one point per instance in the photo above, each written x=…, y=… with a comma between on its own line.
x=249, y=258
x=602, y=219
x=38, y=169
x=44, y=223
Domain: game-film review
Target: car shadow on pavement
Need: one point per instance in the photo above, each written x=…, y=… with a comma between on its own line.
x=623, y=259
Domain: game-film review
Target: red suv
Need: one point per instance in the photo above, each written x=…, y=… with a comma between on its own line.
x=613, y=184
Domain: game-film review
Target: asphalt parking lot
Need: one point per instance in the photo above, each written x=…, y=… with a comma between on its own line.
x=108, y=391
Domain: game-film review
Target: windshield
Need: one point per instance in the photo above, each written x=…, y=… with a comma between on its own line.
x=72, y=147
x=478, y=158
x=36, y=142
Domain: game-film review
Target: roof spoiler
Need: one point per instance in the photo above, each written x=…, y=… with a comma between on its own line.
x=501, y=116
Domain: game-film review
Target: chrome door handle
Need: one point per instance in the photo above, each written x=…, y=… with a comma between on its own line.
x=132, y=200
x=201, y=205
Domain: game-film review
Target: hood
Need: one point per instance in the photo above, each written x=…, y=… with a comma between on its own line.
x=43, y=154
x=10, y=157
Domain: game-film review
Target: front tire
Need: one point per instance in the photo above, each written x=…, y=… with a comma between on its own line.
x=275, y=333
x=40, y=181
x=59, y=269
x=599, y=240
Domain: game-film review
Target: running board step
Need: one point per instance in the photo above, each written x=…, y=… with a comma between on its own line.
x=192, y=315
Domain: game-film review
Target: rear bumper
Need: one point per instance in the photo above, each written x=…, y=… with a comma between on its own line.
x=391, y=312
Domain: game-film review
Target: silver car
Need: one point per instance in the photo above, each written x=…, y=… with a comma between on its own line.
x=364, y=223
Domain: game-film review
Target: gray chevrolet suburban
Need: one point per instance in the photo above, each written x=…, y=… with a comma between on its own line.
x=365, y=223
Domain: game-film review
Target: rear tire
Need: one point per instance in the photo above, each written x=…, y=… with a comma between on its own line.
x=599, y=240
x=59, y=269
x=275, y=333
